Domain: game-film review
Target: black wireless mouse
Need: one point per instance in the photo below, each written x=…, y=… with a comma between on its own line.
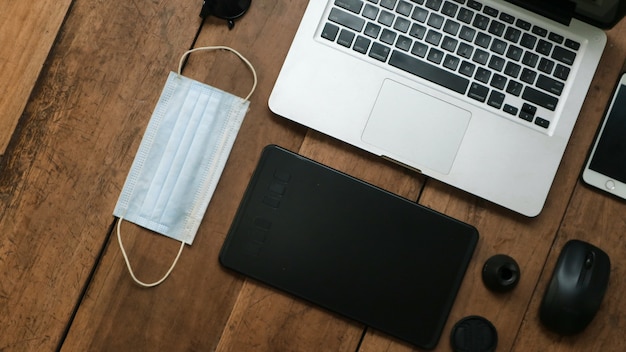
x=576, y=289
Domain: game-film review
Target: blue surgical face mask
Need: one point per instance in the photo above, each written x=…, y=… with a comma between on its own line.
x=180, y=159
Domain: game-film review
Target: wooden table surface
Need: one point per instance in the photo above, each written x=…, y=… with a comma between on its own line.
x=63, y=282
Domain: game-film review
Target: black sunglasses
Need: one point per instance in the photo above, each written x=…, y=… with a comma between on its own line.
x=228, y=10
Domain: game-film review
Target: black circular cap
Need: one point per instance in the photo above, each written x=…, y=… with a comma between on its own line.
x=474, y=334
x=501, y=273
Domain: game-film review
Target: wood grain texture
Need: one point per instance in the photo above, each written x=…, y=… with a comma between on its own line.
x=63, y=172
x=63, y=282
x=27, y=33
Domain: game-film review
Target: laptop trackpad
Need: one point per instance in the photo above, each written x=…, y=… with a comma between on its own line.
x=416, y=128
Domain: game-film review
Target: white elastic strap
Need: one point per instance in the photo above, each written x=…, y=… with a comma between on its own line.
x=207, y=48
x=130, y=269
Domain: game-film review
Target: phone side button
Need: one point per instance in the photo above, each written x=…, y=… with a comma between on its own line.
x=610, y=184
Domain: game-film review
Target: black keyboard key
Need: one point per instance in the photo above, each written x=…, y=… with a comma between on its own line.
x=530, y=59
x=480, y=56
x=402, y=24
x=417, y=31
x=449, y=9
x=386, y=18
x=465, y=15
x=482, y=40
x=379, y=52
x=420, y=14
x=514, y=53
x=481, y=21
x=557, y=38
x=550, y=85
x=528, y=112
x=465, y=50
x=528, y=41
x=498, y=46
x=512, y=69
x=467, y=68
x=542, y=99
x=388, y=37
x=496, y=99
x=497, y=28
x=561, y=72
x=497, y=63
x=451, y=62
x=428, y=72
x=434, y=4
x=523, y=24
x=449, y=44
x=361, y=45
x=482, y=75
x=512, y=34
x=433, y=37
x=330, y=31
x=345, y=38
x=498, y=81
x=435, y=20
x=544, y=47
x=372, y=30
x=510, y=109
x=572, y=44
x=514, y=88
x=404, y=8
x=370, y=12
x=507, y=18
x=542, y=122
x=478, y=92
x=528, y=76
x=435, y=56
x=389, y=4
x=546, y=65
x=346, y=19
x=564, y=55
x=491, y=11
x=419, y=49
x=350, y=5
x=542, y=32
x=474, y=4
x=451, y=27
x=404, y=43
x=467, y=33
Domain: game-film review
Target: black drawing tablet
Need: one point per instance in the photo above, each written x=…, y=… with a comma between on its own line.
x=349, y=247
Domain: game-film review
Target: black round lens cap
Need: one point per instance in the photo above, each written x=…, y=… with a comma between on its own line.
x=474, y=334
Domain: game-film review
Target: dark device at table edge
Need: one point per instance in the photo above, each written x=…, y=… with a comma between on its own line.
x=349, y=247
x=576, y=289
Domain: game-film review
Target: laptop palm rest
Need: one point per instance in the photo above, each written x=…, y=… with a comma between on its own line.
x=424, y=131
x=349, y=247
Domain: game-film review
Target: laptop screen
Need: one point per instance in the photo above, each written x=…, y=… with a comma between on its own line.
x=600, y=13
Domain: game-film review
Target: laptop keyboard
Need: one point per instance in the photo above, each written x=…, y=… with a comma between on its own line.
x=475, y=50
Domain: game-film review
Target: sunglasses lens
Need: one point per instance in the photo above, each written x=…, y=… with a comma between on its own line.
x=226, y=9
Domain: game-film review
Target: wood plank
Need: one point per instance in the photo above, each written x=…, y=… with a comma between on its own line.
x=27, y=33
x=63, y=172
x=190, y=309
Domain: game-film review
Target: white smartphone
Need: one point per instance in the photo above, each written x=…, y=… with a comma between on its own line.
x=606, y=165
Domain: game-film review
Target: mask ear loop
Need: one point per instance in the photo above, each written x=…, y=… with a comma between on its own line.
x=130, y=269
x=208, y=48
x=182, y=243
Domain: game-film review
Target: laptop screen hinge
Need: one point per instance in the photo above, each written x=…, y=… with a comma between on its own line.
x=561, y=11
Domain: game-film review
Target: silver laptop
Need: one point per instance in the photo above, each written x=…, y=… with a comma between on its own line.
x=482, y=95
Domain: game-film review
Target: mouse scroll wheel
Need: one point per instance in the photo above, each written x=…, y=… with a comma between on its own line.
x=589, y=260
